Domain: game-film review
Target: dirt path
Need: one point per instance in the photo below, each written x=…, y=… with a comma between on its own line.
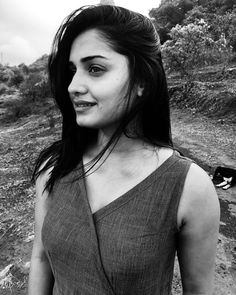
x=19, y=144
x=209, y=142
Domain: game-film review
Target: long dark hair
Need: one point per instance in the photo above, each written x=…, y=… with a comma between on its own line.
x=132, y=35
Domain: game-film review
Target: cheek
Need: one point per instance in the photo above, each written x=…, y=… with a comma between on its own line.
x=111, y=90
x=119, y=86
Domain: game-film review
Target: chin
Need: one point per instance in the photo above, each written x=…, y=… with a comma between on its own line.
x=87, y=123
x=95, y=124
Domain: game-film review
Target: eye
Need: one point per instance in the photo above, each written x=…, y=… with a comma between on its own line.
x=96, y=70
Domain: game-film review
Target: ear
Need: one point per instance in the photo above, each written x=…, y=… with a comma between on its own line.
x=140, y=89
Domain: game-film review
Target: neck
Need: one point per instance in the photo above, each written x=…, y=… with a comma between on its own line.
x=124, y=145
x=125, y=148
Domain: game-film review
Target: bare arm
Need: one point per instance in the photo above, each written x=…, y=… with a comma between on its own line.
x=198, y=219
x=41, y=277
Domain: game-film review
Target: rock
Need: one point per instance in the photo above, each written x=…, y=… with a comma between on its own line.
x=6, y=271
x=29, y=238
x=26, y=267
x=223, y=266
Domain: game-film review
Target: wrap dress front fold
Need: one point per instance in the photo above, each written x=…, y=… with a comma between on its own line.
x=125, y=248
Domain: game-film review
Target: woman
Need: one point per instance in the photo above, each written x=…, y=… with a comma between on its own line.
x=114, y=200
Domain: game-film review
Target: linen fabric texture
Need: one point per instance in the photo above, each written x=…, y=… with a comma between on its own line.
x=127, y=247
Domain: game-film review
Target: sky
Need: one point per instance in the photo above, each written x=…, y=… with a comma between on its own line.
x=27, y=27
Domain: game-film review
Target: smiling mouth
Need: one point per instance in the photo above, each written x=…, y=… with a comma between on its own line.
x=84, y=104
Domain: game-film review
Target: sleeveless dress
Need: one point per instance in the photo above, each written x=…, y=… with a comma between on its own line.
x=127, y=247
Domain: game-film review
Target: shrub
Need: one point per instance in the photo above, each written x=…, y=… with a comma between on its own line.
x=192, y=46
x=6, y=74
x=3, y=88
x=16, y=80
x=16, y=108
x=35, y=87
x=23, y=68
x=33, y=94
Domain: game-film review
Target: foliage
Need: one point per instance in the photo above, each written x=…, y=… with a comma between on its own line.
x=3, y=88
x=17, y=78
x=17, y=108
x=12, y=76
x=169, y=14
x=6, y=73
x=225, y=24
x=34, y=92
x=195, y=14
x=192, y=46
x=23, y=68
x=220, y=14
x=30, y=86
x=217, y=6
x=35, y=87
x=40, y=65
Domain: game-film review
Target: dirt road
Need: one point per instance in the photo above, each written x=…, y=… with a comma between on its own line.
x=212, y=143
x=209, y=142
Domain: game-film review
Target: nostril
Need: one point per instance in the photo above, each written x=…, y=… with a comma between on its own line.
x=74, y=95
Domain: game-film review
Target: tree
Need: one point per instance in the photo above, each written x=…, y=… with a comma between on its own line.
x=192, y=46
x=224, y=24
x=35, y=87
x=169, y=14
x=6, y=74
x=17, y=79
x=39, y=65
x=217, y=6
x=23, y=68
x=195, y=14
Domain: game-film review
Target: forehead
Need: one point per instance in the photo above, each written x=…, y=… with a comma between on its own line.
x=91, y=42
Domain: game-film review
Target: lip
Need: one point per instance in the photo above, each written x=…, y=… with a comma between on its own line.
x=83, y=104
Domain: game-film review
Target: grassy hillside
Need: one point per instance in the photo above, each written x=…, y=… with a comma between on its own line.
x=214, y=93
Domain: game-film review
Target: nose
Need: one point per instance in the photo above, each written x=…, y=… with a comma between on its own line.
x=77, y=85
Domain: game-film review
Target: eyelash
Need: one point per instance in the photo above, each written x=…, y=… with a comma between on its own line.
x=98, y=70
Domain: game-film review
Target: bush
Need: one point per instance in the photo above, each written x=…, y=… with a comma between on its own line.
x=6, y=74
x=33, y=94
x=3, y=88
x=23, y=68
x=16, y=108
x=192, y=46
x=169, y=14
x=16, y=80
x=35, y=87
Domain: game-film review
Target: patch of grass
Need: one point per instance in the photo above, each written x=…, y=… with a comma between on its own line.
x=17, y=107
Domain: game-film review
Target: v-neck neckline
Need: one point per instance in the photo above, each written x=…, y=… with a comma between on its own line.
x=129, y=194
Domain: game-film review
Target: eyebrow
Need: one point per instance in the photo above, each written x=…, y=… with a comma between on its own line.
x=88, y=58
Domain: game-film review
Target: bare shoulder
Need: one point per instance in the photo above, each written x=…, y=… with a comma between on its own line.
x=41, y=207
x=198, y=222
x=199, y=199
